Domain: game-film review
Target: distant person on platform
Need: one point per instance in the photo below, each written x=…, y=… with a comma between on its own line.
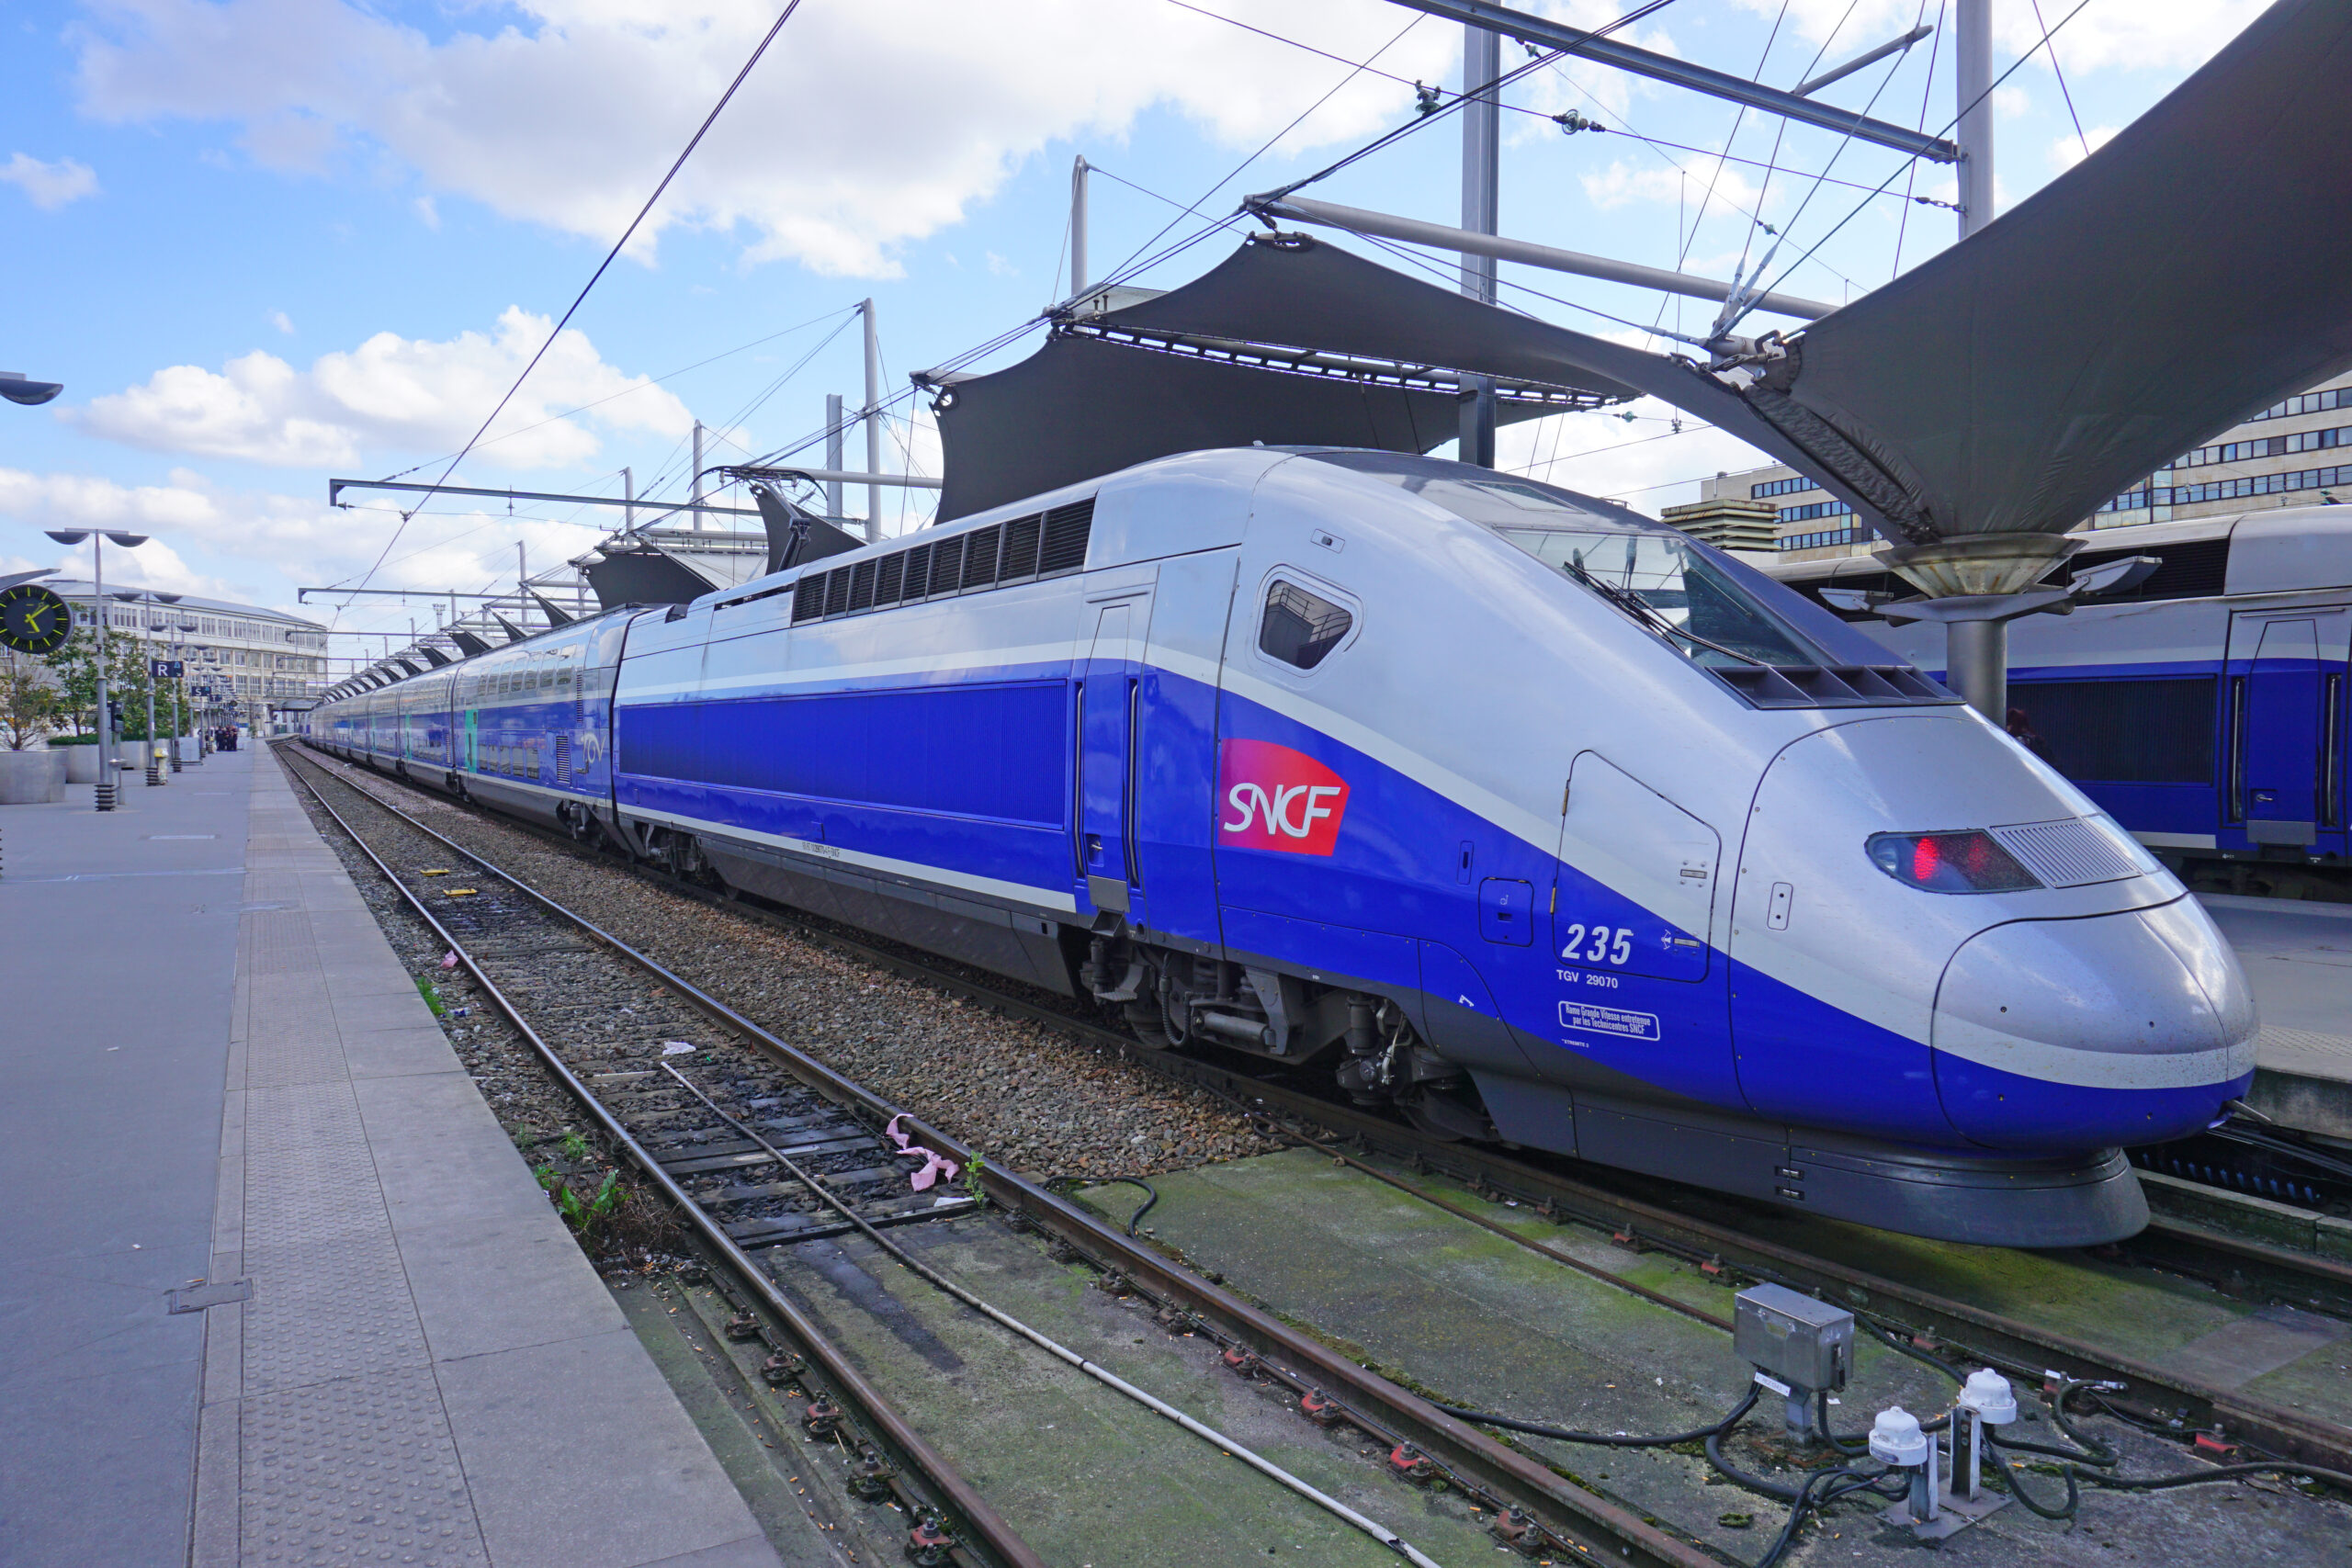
x=2021, y=732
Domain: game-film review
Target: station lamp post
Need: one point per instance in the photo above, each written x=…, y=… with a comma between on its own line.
x=182, y=629
x=146, y=598
x=102, y=723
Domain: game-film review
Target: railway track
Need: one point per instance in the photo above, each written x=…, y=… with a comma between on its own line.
x=1707, y=1230
x=725, y=1138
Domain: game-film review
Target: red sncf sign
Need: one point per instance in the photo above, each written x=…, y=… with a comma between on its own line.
x=1272, y=797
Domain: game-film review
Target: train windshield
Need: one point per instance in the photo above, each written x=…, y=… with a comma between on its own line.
x=1663, y=580
x=1656, y=575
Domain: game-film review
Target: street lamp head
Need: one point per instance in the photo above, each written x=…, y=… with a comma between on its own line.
x=127, y=541
x=68, y=536
x=17, y=390
x=170, y=598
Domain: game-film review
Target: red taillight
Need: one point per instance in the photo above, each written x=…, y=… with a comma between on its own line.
x=1971, y=860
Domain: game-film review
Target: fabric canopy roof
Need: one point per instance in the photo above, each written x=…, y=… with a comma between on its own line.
x=2193, y=271
x=2190, y=273
x=1371, y=360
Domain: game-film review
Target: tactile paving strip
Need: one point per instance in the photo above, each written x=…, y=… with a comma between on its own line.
x=330, y=1296
x=353, y=1471
x=2304, y=1051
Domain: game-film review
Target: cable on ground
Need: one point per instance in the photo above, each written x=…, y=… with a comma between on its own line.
x=1265, y=1467
x=1150, y=1198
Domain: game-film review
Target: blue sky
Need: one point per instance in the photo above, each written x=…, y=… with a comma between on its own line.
x=266, y=241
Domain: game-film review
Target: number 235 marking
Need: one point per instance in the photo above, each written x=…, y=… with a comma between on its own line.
x=1601, y=944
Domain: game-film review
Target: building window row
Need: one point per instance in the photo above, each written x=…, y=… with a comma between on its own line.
x=2310, y=402
x=2268, y=447
x=1780, y=487
x=1817, y=541
x=1812, y=510
x=2230, y=490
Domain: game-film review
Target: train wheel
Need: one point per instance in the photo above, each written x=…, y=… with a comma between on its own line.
x=1143, y=1019
x=1443, y=1114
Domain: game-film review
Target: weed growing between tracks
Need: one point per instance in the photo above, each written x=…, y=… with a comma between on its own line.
x=622, y=1224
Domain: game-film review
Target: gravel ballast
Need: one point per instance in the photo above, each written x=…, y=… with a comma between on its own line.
x=1019, y=1093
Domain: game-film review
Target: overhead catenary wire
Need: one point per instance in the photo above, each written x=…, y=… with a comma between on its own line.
x=1837, y=228
x=2057, y=71
x=1911, y=168
x=1493, y=88
x=1054, y=1348
x=1128, y=268
x=602, y=267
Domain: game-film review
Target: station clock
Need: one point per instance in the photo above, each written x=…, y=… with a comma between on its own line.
x=33, y=619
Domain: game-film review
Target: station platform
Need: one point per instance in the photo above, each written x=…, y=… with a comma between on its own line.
x=2298, y=958
x=276, y=1287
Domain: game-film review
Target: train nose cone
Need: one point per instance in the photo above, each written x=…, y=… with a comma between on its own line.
x=2083, y=1034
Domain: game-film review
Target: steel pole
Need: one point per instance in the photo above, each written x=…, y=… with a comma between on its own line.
x=628, y=499
x=694, y=495
x=833, y=453
x=873, y=423
x=1481, y=199
x=147, y=647
x=1078, y=278
x=1973, y=49
x=98, y=620
x=1976, y=665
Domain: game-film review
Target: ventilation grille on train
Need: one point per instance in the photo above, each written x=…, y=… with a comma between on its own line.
x=2071, y=853
x=1046, y=544
x=1830, y=685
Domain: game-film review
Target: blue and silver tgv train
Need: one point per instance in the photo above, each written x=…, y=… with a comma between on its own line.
x=2205, y=708
x=1518, y=811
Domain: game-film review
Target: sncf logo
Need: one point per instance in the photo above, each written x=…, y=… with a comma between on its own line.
x=1275, y=798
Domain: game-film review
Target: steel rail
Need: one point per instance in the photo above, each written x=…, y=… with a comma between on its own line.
x=2020, y=1347
x=1002, y=1542
x=1507, y=1477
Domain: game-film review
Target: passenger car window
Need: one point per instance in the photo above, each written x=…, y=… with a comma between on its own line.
x=1301, y=628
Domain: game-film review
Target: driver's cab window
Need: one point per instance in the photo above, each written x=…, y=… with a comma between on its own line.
x=1300, y=628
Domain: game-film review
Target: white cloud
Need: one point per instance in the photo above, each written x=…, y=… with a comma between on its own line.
x=282, y=321
x=568, y=117
x=1620, y=184
x=50, y=186
x=2147, y=34
x=289, y=536
x=392, y=395
x=1641, y=462
x=2067, y=150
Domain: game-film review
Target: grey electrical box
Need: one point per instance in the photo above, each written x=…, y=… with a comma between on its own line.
x=1804, y=1342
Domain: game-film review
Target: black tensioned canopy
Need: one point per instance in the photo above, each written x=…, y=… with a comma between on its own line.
x=2193, y=271
x=641, y=575
x=2190, y=273
x=1289, y=341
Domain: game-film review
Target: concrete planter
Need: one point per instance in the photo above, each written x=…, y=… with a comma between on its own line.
x=81, y=763
x=133, y=754
x=33, y=778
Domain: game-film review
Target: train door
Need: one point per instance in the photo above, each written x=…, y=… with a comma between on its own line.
x=1107, y=696
x=1633, y=931
x=2286, y=715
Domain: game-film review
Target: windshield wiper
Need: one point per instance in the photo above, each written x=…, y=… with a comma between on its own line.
x=1633, y=605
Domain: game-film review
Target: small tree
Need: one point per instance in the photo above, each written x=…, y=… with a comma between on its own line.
x=75, y=669
x=30, y=701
